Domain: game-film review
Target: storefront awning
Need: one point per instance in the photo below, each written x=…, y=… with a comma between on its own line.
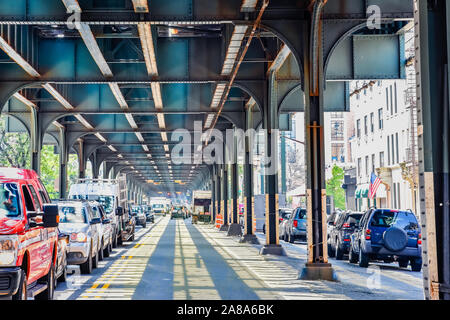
x=362, y=192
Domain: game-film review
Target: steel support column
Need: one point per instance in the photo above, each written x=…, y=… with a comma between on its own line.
x=218, y=190
x=213, y=170
x=432, y=67
x=224, y=197
x=63, y=158
x=317, y=266
x=81, y=160
x=270, y=126
x=249, y=235
x=36, y=141
x=235, y=228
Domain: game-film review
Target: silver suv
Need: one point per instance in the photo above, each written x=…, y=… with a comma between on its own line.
x=106, y=237
x=84, y=226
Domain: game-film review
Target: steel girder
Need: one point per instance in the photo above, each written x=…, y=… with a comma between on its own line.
x=432, y=54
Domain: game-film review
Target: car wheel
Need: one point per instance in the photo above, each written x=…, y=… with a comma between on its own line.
x=95, y=261
x=339, y=251
x=86, y=268
x=363, y=259
x=144, y=225
x=403, y=262
x=331, y=252
x=21, y=294
x=63, y=276
x=114, y=241
x=107, y=250
x=291, y=238
x=416, y=264
x=100, y=253
x=352, y=257
x=49, y=280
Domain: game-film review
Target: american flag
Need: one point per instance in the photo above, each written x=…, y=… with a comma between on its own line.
x=374, y=184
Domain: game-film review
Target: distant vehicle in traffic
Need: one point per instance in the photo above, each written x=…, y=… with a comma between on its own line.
x=178, y=212
x=138, y=213
x=388, y=235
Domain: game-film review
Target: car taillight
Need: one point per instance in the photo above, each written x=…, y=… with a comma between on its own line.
x=419, y=239
x=368, y=234
x=295, y=223
x=346, y=225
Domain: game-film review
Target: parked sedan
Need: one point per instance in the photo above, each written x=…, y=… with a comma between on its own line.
x=339, y=238
x=78, y=220
x=296, y=225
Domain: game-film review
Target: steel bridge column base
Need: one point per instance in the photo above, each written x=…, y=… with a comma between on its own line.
x=249, y=238
x=318, y=271
x=275, y=249
x=234, y=230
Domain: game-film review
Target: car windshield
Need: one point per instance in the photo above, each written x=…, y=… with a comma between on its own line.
x=71, y=214
x=390, y=218
x=353, y=218
x=284, y=214
x=9, y=201
x=107, y=202
x=157, y=206
x=301, y=214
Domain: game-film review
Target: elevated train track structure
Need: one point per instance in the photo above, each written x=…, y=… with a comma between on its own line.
x=113, y=80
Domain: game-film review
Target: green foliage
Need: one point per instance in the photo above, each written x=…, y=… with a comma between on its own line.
x=49, y=170
x=14, y=147
x=334, y=187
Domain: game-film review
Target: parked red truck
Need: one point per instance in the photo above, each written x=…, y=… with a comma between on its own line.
x=28, y=236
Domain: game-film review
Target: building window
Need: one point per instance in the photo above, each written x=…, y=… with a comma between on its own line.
x=381, y=159
x=365, y=125
x=380, y=118
x=396, y=145
x=359, y=167
x=371, y=122
x=373, y=163
x=367, y=165
x=337, y=152
x=387, y=99
x=358, y=128
x=395, y=96
x=392, y=149
x=394, y=198
x=337, y=130
x=390, y=100
x=389, y=151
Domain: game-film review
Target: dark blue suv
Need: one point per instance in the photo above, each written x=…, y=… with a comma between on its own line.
x=388, y=235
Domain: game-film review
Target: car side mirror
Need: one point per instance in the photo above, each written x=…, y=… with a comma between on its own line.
x=51, y=216
x=119, y=211
x=96, y=221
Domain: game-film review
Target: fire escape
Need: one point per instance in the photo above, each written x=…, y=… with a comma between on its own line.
x=410, y=168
